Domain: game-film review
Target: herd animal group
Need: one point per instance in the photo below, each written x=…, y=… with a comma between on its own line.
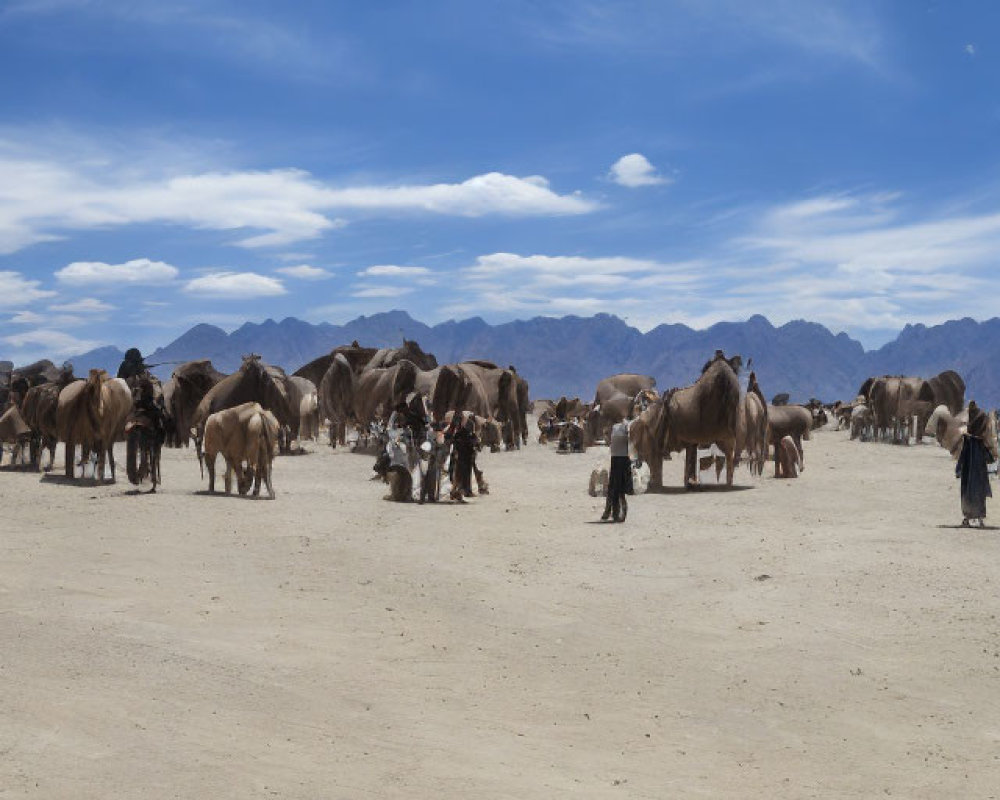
x=712, y=412
x=259, y=409
x=895, y=408
x=247, y=416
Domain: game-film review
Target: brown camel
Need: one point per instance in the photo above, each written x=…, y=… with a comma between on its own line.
x=92, y=413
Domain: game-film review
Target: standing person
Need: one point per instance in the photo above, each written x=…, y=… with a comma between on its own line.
x=620, y=474
x=463, y=438
x=971, y=467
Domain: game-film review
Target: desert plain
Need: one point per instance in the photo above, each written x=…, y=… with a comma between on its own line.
x=833, y=636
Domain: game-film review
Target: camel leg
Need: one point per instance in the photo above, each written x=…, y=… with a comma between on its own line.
x=656, y=473
x=210, y=466
x=111, y=460
x=70, y=459
x=777, y=457
x=691, y=466
x=798, y=446
x=729, y=450
x=229, y=477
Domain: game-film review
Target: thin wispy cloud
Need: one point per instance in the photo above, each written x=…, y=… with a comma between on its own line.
x=48, y=342
x=393, y=271
x=382, y=291
x=305, y=272
x=17, y=291
x=85, y=305
x=231, y=32
x=703, y=29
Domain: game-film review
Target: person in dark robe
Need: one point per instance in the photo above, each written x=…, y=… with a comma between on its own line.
x=971, y=468
x=132, y=366
x=620, y=474
x=463, y=440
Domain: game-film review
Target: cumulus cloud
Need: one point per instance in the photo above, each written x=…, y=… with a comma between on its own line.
x=306, y=272
x=138, y=272
x=392, y=271
x=85, y=305
x=17, y=291
x=235, y=286
x=635, y=170
x=43, y=198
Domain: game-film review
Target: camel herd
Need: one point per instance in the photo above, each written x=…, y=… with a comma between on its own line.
x=248, y=414
x=259, y=409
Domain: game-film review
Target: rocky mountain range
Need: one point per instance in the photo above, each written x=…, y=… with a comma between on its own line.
x=569, y=355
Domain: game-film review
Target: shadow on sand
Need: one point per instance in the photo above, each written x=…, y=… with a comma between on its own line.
x=18, y=468
x=701, y=489
x=232, y=496
x=961, y=527
x=88, y=483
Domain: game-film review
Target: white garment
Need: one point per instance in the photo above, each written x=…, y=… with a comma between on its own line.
x=619, y=439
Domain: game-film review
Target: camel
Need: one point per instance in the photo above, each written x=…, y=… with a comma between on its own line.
x=787, y=458
x=752, y=428
x=254, y=381
x=617, y=398
x=305, y=401
x=705, y=413
x=794, y=421
x=246, y=436
x=861, y=422
x=187, y=386
x=39, y=410
x=92, y=413
x=15, y=431
x=895, y=400
x=949, y=428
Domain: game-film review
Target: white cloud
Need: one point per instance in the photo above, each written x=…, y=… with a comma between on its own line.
x=27, y=318
x=635, y=170
x=43, y=198
x=381, y=291
x=86, y=305
x=499, y=264
x=306, y=272
x=390, y=270
x=137, y=272
x=45, y=342
x=970, y=49
x=235, y=285
x=17, y=291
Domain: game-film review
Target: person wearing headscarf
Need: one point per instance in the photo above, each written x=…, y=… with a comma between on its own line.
x=977, y=452
x=620, y=474
x=462, y=434
x=132, y=365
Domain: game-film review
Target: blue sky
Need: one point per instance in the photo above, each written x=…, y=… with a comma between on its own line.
x=163, y=164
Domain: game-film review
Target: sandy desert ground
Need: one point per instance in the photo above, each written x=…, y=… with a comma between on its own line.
x=832, y=636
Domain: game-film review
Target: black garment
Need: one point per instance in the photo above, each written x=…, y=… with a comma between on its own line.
x=132, y=365
x=619, y=485
x=464, y=443
x=971, y=468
